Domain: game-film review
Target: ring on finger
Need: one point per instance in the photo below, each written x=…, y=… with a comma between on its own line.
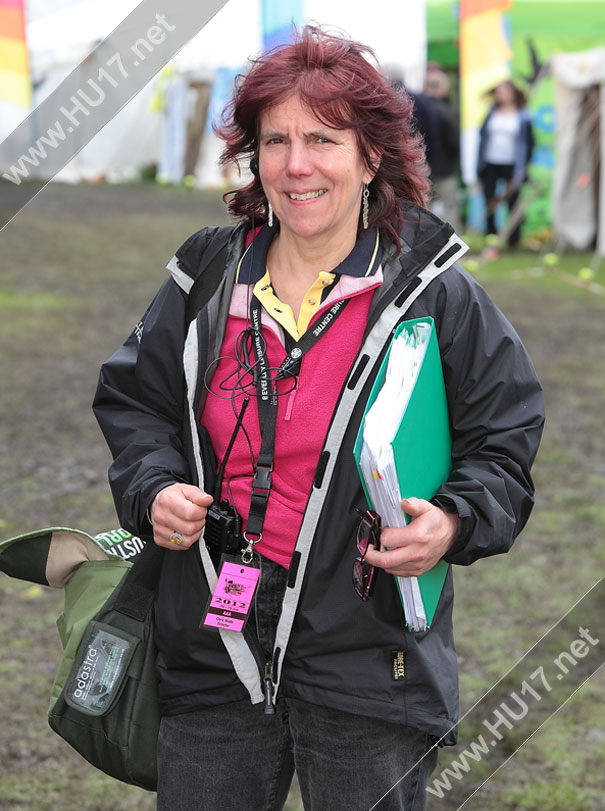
x=176, y=538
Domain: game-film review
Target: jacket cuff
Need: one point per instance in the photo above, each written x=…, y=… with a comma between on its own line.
x=147, y=497
x=466, y=521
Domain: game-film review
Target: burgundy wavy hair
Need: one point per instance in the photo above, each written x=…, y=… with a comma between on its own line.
x=341, y=88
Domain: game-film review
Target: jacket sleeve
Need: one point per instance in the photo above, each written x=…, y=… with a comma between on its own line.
x=139, y=405
x=451, y=132
x=482, y=144
x=530, y=141
x=496, y=414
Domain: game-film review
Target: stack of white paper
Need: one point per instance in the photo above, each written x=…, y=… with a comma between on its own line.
x=377, y=460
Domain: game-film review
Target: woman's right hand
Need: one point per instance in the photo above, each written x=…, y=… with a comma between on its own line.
x=179, y=508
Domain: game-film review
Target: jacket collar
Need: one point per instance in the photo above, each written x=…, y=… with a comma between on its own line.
x=364, y=259
x=423, y=236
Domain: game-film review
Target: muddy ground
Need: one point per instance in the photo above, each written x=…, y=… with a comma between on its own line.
x=79, y=266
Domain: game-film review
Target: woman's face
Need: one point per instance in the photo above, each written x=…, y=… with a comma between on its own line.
x=312, y=175
x=504, y=94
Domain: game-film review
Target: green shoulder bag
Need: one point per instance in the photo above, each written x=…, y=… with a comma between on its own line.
x=104, y=700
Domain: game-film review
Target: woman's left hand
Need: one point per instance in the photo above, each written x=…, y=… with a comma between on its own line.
x=414, y=549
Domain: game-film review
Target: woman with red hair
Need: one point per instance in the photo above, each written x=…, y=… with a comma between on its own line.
x=233, y=437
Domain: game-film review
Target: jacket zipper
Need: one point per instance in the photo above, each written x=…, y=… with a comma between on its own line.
x=265, y=669
x=269, y=688
x=290, y=403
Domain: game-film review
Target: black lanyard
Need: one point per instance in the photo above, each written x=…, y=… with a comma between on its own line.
x=266, y=387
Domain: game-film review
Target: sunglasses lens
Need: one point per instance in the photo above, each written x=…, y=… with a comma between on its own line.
x=368, y=532
x=363, y=577
x=358, y=579
x=363, y=539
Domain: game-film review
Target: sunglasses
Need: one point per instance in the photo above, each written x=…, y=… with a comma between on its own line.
x=368, y=532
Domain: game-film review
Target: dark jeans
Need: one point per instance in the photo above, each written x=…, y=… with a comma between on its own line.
x=490, y=176
x=234, y=758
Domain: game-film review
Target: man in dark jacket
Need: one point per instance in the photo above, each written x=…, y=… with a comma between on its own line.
x=445, y=151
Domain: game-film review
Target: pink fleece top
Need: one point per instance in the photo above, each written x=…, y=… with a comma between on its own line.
x=303, y=415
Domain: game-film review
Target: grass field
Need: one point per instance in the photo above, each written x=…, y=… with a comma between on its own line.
x=79, y=268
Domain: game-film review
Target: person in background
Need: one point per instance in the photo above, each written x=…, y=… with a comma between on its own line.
x=445, y=150
x=332, y=247
x=423, y=115
x=506, y=143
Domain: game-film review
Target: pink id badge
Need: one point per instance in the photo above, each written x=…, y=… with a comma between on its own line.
x=230, y=602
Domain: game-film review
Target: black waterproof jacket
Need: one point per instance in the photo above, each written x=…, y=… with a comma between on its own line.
x=331, y=648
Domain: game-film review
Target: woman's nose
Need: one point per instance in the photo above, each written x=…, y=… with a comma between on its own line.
x=299, y=162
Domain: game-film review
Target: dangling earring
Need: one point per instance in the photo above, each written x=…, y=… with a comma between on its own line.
x=270, y=216
x=364, y=205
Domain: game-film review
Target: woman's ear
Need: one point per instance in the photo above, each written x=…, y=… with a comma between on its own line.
x=375, y=159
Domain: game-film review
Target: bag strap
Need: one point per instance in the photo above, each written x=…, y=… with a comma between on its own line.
x=211, y=269
x=137, y=592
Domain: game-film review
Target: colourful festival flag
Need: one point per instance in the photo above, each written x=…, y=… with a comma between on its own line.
x=485, y=60
x=15, y=84
x=277, y=19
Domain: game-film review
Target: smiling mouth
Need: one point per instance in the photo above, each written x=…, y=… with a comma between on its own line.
x=310, y=195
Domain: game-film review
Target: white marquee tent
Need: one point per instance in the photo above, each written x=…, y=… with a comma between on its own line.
x=141, y=133
x=579, y=175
